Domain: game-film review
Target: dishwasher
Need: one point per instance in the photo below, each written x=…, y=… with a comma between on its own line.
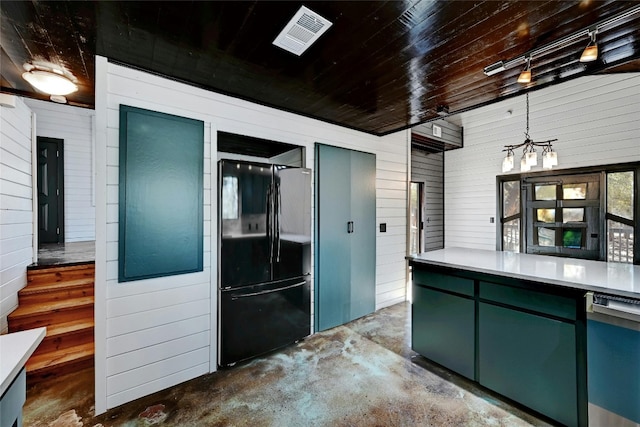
x=613, y=360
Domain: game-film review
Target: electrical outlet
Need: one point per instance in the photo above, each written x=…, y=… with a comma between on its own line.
x=383, y=227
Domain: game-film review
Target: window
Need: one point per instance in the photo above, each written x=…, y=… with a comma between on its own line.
x=620, y=216
x=586, y=213
x=510, y=219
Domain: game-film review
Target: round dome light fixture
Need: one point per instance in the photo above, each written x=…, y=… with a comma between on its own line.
x=50, y=82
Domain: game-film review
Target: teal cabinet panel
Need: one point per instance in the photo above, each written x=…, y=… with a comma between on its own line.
x=445, y=282
x=531, y=359
x=160, y=194
x=540, y=302
x=443, y=329
x=333, y=262
x=363, y=234
x=345, y=232
x=613, y=354
x=12, y=401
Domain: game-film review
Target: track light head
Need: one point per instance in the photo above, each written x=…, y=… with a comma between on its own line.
x=525, y=75
x=590, y=52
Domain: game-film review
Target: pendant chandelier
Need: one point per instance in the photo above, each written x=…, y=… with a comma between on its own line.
x=529, y=154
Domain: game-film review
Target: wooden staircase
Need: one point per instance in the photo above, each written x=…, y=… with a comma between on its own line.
x=60, y=298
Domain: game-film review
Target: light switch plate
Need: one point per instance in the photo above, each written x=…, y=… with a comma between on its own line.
x=437, y=131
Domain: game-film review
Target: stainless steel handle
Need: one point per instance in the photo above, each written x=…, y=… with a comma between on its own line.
x=616, y=307
x=269, y=224
x=253, y=294
x=278, y=213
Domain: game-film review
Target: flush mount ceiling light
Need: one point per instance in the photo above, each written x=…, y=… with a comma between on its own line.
x=525, y=75
x=49, y=79
x=302, y=31
x=590, y=53
x=529, y=155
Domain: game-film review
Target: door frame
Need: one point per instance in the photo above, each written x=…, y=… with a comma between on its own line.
x=60, y=185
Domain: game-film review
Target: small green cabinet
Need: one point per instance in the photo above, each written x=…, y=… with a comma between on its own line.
x=529, y=358
x=443, y=329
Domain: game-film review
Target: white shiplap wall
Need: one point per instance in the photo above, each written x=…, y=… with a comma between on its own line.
x=154, y=333
x=16, y=217
x=596, y=121
x=73, y=125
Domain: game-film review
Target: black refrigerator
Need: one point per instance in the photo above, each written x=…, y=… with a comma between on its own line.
x=264, y=223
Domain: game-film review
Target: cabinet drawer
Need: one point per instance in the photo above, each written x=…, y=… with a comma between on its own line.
x=530, y=359
x=443, y=329
x=446, y=282
x=540, y=302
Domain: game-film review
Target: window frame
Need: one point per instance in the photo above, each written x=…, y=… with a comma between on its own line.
x=603, y=170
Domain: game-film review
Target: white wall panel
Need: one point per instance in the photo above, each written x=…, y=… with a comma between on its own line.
x=73, y=125
x=596, y=121
x=151, y=335
x=16, y=218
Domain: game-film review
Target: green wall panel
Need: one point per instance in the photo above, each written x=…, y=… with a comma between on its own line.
x=161, y=194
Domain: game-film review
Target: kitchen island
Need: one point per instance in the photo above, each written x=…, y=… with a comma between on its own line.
x=15, y=350
x=514, y=323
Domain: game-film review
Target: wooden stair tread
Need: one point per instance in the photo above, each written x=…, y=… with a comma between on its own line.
x=53, y=306
x=36, y=270
x=69, y=327
x=60, y=357
x=36, y=288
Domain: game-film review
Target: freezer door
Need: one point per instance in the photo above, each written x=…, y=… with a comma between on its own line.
x=292, y=222
x=257, y=319
x=245, y=207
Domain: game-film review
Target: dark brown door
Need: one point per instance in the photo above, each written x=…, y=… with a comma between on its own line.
x=50, y=191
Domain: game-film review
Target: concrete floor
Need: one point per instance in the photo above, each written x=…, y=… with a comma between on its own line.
x=360, y=374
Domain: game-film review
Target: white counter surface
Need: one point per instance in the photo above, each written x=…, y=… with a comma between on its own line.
x=15, y=349
x=606, y=277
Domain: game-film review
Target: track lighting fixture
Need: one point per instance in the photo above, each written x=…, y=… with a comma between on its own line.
x=525, y=75
x=590, y=52
x=529, y=155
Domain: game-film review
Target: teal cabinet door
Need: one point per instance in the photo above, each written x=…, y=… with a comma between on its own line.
x=345, y=235
x=443, y=329
x=363, y=235
x=529, y=358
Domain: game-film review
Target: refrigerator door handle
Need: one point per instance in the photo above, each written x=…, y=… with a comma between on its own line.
x=277, y=218
x=269, y=224
x=270, y=291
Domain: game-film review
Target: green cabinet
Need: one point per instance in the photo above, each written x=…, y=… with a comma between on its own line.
x=529, y=358
x=443, y=329
x=520, y=339
x=345, y=264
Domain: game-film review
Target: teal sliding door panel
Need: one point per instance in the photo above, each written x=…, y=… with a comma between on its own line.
x=161, y=194
x=345, y=235
x=333, y=266
x=529, y=358
x=363, y=237
x=613, y=360
x=443, y=329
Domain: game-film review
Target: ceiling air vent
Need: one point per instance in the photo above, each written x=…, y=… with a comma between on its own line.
x=302, y=31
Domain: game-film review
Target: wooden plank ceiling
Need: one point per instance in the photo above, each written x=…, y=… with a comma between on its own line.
x=383, y=66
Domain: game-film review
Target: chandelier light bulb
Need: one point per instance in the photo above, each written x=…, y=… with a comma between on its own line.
x=532, y=158
x=507, y=163
x=524, y=165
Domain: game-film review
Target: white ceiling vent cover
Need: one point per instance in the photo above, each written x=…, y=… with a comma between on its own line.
x=302, y=31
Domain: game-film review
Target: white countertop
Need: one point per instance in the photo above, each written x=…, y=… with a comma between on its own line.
x=15, y=349
x=598, y=276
